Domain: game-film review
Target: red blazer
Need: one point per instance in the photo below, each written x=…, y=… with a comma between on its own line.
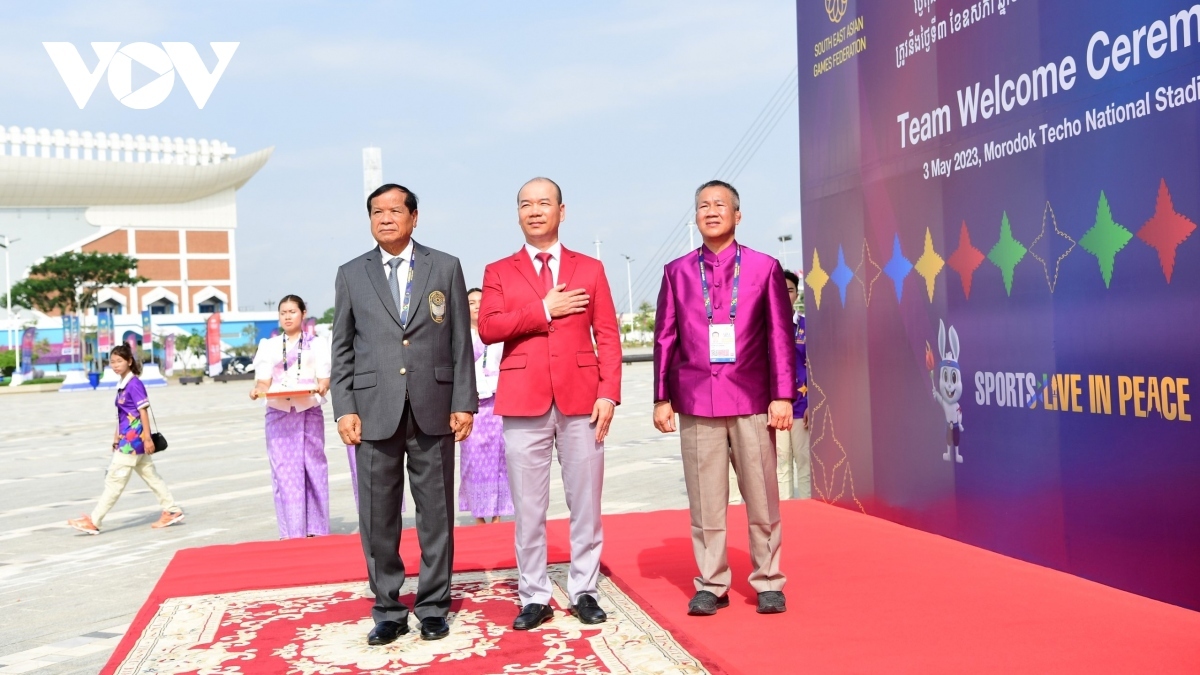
x=556, y=361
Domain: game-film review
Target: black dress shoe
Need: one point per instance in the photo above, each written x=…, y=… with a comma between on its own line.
x=532, y=616
x=588, y=611
x=706, y=603
x=386, y=632
x=434, y=628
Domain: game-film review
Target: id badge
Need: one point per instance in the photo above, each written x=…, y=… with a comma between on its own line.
x=721, y=346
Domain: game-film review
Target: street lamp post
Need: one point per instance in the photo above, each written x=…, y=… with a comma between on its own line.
x=629, y=280
x=783, y=240
x=597, y=243
x=8, y=290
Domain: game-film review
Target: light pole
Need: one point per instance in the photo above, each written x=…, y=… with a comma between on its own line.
x=691, y=236
x=8, y=290
x=597, y=243
x=783, y=240
x=629, y=280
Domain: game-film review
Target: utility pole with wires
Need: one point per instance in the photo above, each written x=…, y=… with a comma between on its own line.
x=629, y=279
x=777, y=107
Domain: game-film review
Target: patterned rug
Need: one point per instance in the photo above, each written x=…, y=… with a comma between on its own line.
x=321, y=630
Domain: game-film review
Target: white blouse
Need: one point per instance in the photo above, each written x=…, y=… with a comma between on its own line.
x=300, y=372
x=487, y=367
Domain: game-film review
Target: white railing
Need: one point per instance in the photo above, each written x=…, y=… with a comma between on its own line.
x=88, y=146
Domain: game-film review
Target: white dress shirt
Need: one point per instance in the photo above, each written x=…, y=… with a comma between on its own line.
x=555, y=252
x=405, y=258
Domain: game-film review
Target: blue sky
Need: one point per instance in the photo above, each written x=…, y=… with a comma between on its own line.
x=628, y=105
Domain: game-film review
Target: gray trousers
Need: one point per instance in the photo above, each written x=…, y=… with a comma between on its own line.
x=381, y=493
x=529, y=446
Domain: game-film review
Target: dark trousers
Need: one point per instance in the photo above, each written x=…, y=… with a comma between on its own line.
x=381, y=492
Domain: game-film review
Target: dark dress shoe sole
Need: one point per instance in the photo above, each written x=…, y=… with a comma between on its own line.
x=434, y=636
x=771, y=610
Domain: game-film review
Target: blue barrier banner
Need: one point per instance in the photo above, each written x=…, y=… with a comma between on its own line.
x=999, y=202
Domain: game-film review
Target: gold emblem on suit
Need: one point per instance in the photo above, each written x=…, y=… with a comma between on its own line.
x=437, y=306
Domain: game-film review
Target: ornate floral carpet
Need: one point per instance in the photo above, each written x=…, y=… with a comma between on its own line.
x=864, y=596
x=322, y=629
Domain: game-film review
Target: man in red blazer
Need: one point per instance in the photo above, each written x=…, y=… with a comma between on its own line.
x=556, y=388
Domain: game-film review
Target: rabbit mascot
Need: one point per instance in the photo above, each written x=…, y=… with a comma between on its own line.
x=948, y=390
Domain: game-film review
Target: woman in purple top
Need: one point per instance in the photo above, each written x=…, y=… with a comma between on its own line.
x=131, y=448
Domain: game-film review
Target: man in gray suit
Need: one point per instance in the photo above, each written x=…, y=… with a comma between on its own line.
x=403, y=384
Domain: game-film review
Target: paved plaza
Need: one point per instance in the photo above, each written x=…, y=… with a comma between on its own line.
x=66, y=598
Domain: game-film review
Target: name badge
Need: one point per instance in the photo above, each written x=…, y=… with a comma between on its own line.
x=721, y=345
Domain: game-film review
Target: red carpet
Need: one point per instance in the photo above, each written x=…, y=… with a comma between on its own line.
x=864, y=595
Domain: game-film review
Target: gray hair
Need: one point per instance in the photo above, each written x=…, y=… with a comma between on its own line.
x=737, y=200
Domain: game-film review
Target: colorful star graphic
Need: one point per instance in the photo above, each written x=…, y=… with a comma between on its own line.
x=1052, y=281
x=1166, y=230
x=965, y=259
x=898, y=268
x=862, y=269
x=816, y=278
x=1105, y=240
x=1006, y=253
x=929, y=264
x=842, y=275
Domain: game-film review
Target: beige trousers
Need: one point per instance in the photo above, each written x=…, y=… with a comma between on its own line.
x=709, y=444
x=794, y=471
x=119, y=469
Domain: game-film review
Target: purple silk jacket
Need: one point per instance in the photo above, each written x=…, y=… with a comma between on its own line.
x=763, y=334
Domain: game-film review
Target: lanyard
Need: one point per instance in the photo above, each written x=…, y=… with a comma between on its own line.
x=737, y=274
x=407, y=295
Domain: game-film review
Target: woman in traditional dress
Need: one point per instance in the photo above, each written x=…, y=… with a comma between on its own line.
x=295, y=362
x=483, y=488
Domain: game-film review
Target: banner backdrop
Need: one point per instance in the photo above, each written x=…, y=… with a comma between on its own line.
x=999, y=198
x=212, y=343
x=147, y=332
x=28, y=338
x=68, y=339
x=104, y=332
x=169, y=355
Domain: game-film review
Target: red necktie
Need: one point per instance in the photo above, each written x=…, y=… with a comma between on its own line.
x=547, y=277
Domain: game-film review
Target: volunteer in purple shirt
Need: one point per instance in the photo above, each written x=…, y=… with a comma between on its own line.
x=131, y=449
x=724, y=359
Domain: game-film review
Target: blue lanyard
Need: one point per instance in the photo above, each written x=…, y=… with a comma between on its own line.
x=737, y=274
x=407, y=296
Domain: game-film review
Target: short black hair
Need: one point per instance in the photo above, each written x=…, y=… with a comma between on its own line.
x=410, y=197
x=737, y=199
x=791, y=276
x=541, y=179
x=474, y=290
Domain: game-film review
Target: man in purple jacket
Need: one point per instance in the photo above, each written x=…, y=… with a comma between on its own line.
x=724, y=359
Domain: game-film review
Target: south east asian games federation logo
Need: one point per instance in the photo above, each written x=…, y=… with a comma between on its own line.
x=836, y=9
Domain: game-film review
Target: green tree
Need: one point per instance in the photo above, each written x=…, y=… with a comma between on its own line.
x=644, y=319
x=327, y=317
x=69, y=282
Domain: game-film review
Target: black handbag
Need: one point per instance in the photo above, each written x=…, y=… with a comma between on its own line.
x=160, y=441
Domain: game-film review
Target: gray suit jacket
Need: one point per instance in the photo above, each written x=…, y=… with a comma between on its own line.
x=379, y=366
